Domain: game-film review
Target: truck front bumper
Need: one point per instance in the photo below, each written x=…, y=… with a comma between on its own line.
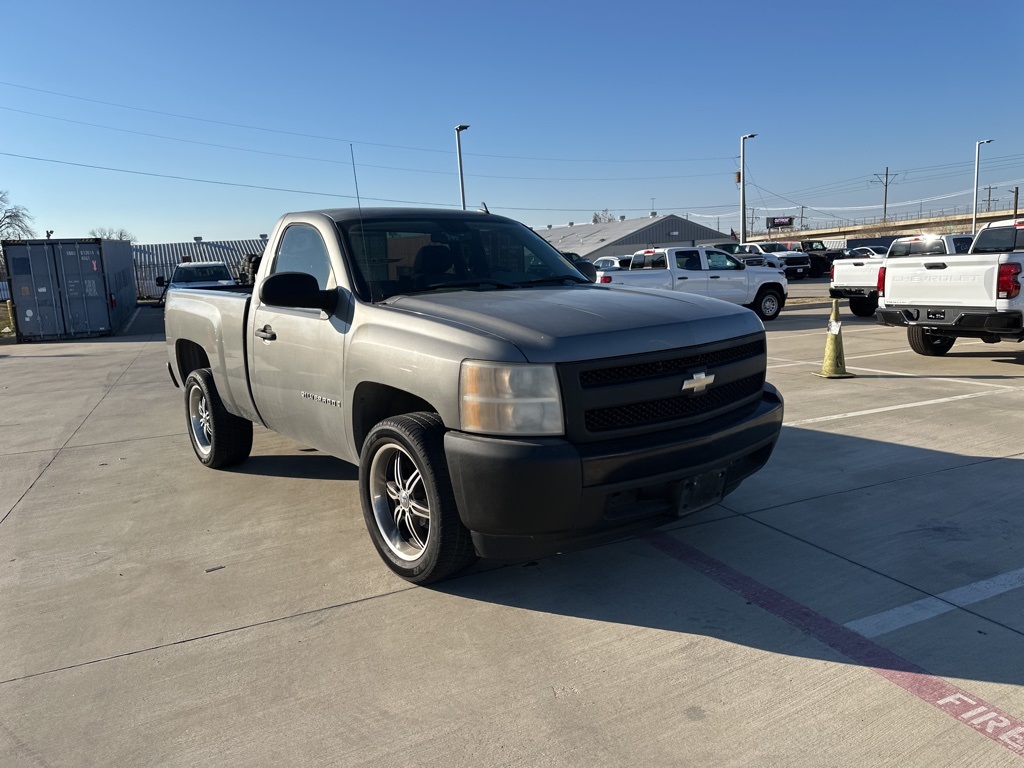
x=530, y=497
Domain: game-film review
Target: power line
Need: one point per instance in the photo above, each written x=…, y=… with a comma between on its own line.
x=340, y=139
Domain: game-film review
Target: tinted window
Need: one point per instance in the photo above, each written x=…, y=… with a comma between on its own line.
x=200, y=273
x=961, y=244
x=303, y=250
x=688, y=260
x=999, y=240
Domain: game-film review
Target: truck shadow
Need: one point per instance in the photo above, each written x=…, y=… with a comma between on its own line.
x=830, y=524
x=316, y=466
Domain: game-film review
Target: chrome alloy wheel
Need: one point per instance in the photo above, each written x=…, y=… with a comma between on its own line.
x=399, y=499
x=199, y=418
x=769, y=305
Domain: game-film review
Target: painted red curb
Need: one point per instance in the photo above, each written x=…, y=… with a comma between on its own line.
x=966, y=708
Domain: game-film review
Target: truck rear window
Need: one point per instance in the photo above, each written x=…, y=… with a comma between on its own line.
x=999, y=240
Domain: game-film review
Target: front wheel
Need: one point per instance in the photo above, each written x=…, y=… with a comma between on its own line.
x=863, y=306
x=926, y=343
x=219, y=438
x=407, y=499
x=768, y=304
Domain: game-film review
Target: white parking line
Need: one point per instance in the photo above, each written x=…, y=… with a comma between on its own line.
x=929, y=607
x=918, y=404
x=936, y=378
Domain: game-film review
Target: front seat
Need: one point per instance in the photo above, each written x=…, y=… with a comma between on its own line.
x=432, y=264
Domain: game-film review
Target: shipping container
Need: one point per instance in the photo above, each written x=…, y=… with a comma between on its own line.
x=64, y=289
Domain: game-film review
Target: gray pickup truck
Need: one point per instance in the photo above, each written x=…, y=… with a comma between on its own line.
x=497, y=403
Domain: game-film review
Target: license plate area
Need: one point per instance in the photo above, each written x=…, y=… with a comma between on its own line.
x=698, y=492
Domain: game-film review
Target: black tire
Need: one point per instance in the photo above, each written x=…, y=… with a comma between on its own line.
x=817, y=269
x=925, y=343
x=407, y=499
x=768, y=304
x=219, y=439
x=863, y=306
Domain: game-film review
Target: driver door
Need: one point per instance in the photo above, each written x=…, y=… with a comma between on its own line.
x=298, y=354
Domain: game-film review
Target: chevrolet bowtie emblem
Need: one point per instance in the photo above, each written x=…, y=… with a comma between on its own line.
x=698, y=383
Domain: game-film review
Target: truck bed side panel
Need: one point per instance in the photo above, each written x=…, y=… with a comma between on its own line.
x=215, y=321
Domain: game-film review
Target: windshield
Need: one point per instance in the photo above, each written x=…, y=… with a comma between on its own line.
x=813, y=245
x=424, y=254
x=200, y=273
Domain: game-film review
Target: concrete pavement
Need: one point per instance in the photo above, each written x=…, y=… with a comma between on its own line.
x=154, y=612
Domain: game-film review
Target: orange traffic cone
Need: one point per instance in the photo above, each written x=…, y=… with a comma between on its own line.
x=834, y=365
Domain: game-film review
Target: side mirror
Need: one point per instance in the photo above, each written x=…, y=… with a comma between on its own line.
x=299, y=290
x=588, y=270
x=161, y=281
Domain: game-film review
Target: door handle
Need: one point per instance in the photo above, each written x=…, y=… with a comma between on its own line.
x=935, y=265
x=714, y=277
x=682, y=277
x=266, y=333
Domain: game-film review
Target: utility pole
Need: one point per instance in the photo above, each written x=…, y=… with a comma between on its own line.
x=801, y=217
x=1015, y=191
x=988, y=204
x=885, y=194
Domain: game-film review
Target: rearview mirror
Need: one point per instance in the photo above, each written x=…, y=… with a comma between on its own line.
x=299, y=290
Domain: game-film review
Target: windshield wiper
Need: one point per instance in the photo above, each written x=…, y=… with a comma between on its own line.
x=477, y=283
x=552, y=279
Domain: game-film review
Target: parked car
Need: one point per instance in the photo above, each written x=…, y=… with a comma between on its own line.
x=497, y=403
x=819, y=254
x=612, y=262
x=197, y=274
x=856, y=278
x=708, y=272
x=940, y=297
x=795, y=264
x=733, y=248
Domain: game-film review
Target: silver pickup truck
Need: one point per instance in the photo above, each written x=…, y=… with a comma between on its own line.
x=498, y=404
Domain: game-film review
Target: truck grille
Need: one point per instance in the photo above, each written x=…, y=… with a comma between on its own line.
x=629, y=395
x=658, y=411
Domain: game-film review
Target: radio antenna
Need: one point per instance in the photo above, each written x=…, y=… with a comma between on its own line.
x=355, y=178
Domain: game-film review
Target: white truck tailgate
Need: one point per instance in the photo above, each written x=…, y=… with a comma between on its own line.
x=961, y=280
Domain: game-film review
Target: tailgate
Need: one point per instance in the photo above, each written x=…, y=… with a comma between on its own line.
x=856, y=273
x=956, y=280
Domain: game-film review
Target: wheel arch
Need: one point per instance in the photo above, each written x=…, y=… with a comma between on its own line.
x=373, y=402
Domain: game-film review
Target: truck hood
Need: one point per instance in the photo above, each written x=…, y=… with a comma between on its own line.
x=585, y=322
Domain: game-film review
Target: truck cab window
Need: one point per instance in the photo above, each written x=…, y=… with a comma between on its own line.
x=720, y=260
x=303, y=250
x=688, y=260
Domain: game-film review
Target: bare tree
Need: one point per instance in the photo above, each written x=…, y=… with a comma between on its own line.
x=602, y=217
x=15, y=220
x=109, y=233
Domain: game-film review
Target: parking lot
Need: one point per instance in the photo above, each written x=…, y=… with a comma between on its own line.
x=858, y=602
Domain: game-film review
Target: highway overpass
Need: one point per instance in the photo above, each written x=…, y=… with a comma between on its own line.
x=939, y=225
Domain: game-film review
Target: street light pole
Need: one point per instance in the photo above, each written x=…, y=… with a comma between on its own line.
x=974, y=208
x=743, y=188
x=458, y=151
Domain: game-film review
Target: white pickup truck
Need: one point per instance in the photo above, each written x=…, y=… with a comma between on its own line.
x=856, y=279
x=940, y=298
x=706, y=271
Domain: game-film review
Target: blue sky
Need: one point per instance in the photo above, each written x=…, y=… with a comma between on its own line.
x=573, y=107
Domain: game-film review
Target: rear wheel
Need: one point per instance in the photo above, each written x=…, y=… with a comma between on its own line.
x=863, y=306
x=407, y=499
x=924, y=342
x=768, y=304
x=219, y=438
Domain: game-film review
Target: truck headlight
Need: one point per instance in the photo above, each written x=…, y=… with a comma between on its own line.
x=509, y=399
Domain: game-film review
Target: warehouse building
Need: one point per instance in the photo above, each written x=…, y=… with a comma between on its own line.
x=625, y=237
